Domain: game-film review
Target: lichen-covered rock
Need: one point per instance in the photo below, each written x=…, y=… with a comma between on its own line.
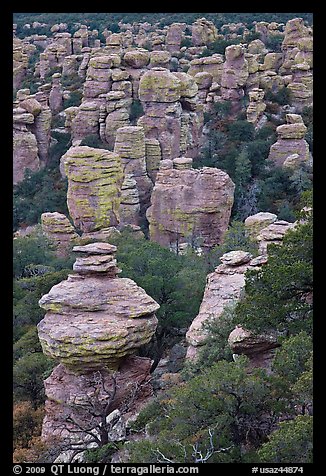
x=174, y=36
x=86, y=121
x=130, y=205
x=210, y=64
x=59, y=231
x=102, y=318
x=190, y=205
x=56, y=94
x=159, y=85
x=290, y=140
x=203, y=32
x=95, y=178
x=136, y=58
x=256, y=106
x=67, y=393
x=255, y=223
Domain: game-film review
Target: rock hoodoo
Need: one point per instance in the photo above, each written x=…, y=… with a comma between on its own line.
x=290, y=140
x=94, y=322
x=189, y=205
x=95, y=178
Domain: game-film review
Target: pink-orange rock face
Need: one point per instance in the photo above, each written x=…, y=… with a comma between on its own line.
x=189, y=205
x=224, y=286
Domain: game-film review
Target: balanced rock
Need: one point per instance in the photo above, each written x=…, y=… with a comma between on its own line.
x=273, y=233
x=190, y=205
x=102, y=318
x=130, y=146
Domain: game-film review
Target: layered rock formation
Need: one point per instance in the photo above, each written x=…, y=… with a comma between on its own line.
x=25, y=151
x=60, y=232
x=103, y=320
x=95, y=178
x=188, y=205
x=130, y=146
x=290, y=140
x=224, y=287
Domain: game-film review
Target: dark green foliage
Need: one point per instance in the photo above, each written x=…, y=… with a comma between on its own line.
x=136, y=111
x=291, y=443
x=93, y=140
x=175, y=282
x=241, y=130
x=224, y=401
x=103, y=454
x=28, y=374
x=281, y=97
x=274, y=43
x=39, y=192
x=275, y=186
x=278, y=296
x=74, y=99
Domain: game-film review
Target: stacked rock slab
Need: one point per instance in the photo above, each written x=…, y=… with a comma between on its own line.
x=224, y=287
x=265, y=228
x=290, y=140
x=60, y=232
x=94, y=322
x=189, y=205
x=95, y=178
